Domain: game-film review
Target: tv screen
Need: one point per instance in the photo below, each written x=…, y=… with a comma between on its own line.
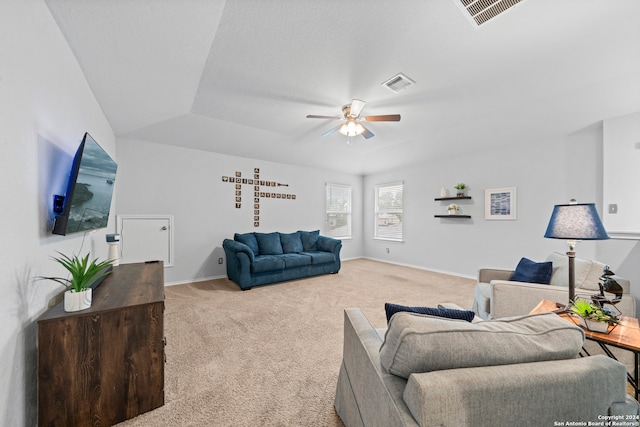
x=88, y=199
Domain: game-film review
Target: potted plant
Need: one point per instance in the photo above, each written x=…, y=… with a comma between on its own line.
x=452, y=208
x=592, y=317
x=82, y=275
x=460, y=189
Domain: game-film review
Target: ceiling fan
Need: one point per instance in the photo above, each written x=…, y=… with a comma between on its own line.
x=352, y=122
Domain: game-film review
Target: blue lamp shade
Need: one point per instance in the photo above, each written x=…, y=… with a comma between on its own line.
x=578, y=221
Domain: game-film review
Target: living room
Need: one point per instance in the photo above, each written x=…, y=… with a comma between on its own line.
x=47, y=102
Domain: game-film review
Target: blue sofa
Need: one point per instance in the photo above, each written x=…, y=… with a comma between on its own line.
x=255, y=259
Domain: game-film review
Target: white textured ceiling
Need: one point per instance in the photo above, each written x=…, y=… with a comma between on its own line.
x=238, y=77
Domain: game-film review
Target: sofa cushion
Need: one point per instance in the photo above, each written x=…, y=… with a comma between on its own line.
x=264, y=263
x=309, y=240
x=418, y=343
x=587, y=272
x=318, y=257
x=291, y=243
x=533, y=272
x=295, y=260
x=269, y=243
x=391, y=309
x=248, y=239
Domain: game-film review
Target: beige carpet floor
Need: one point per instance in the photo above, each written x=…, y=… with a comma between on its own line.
x=270, y=356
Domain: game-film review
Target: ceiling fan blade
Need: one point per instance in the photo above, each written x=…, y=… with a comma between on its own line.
x=356, y=107
x=313, y=116
x=367, y=133
x=383, y=118
x=332, y=130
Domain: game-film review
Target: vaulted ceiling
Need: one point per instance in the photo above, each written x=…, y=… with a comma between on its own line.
x=239, y=77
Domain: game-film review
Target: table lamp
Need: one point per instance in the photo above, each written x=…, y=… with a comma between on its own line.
x=573, y=222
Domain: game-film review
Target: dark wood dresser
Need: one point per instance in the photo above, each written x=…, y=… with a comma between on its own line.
x=103, y=365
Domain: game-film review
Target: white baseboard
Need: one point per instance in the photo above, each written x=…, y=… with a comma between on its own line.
x=420, y=267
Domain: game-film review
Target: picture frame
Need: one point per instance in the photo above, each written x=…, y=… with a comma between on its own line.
x=500, y=203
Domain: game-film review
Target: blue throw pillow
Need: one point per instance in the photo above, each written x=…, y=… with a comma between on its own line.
x=450, y=313
x=291, y=243
x=248, y=239
x=269, y=243
x=310, y=239
x=533, y=272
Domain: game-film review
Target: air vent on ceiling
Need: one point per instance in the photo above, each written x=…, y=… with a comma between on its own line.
x=481, y=11
x=398, y=83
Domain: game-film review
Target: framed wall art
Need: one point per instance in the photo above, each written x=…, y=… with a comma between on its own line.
x=500, y=203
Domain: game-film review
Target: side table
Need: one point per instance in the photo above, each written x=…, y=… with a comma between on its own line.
x=626, y=336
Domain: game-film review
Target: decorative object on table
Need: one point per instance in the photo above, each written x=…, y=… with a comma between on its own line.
x=85, y=276
x=452, y=208
x=112, y=240
x=460, y=189
x=573, y=222
x=500, y=203
x=608, y=284
x=593, y=317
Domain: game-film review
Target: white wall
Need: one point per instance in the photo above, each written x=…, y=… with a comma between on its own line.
x=45, y=108
x=546, y=173
x=156, y=179
x=621, y=153
x=462, y=246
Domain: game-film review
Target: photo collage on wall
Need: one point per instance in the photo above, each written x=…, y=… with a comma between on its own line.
x=261, y=189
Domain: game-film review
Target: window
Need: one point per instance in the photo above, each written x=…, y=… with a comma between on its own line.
x=388, y=218
x=338, y=219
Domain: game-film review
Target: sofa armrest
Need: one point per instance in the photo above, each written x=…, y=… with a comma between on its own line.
x=377, y=393
x=516, y=298
x=485, y=275
x=582, y=389
x=234, y=246
x=329, y=244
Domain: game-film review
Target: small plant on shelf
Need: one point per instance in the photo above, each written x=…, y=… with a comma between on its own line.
x=452, y=208
x=460, y=189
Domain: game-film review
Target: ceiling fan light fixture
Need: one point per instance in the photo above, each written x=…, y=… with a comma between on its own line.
x=351, y=128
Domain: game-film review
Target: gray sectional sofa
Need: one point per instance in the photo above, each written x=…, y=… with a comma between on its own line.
x=255, y=259
x=497, y=296
x=426, y=371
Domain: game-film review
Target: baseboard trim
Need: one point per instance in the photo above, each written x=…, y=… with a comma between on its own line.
x=420, y=267
x=201, y=279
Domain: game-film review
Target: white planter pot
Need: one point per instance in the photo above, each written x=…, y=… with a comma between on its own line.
x=76, y=301
x=452, y=212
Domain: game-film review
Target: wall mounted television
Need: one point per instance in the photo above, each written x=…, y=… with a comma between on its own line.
x=90, y=190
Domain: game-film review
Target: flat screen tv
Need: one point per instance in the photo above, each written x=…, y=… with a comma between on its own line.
x=89, y=192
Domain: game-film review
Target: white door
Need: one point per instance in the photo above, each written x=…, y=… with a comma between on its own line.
x=146, y=238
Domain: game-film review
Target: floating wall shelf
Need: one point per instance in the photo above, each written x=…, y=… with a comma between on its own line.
x=452, y=216
x=453, y=198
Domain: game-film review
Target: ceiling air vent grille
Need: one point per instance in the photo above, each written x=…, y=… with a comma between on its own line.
x=482, y=11
x=398, y=83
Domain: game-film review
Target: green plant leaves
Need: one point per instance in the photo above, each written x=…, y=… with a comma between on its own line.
x=83, y=273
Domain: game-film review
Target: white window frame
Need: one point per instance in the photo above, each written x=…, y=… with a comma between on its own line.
x=332, y=210
x=387, y=211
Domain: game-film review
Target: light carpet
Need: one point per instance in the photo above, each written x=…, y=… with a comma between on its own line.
x=270, y=356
